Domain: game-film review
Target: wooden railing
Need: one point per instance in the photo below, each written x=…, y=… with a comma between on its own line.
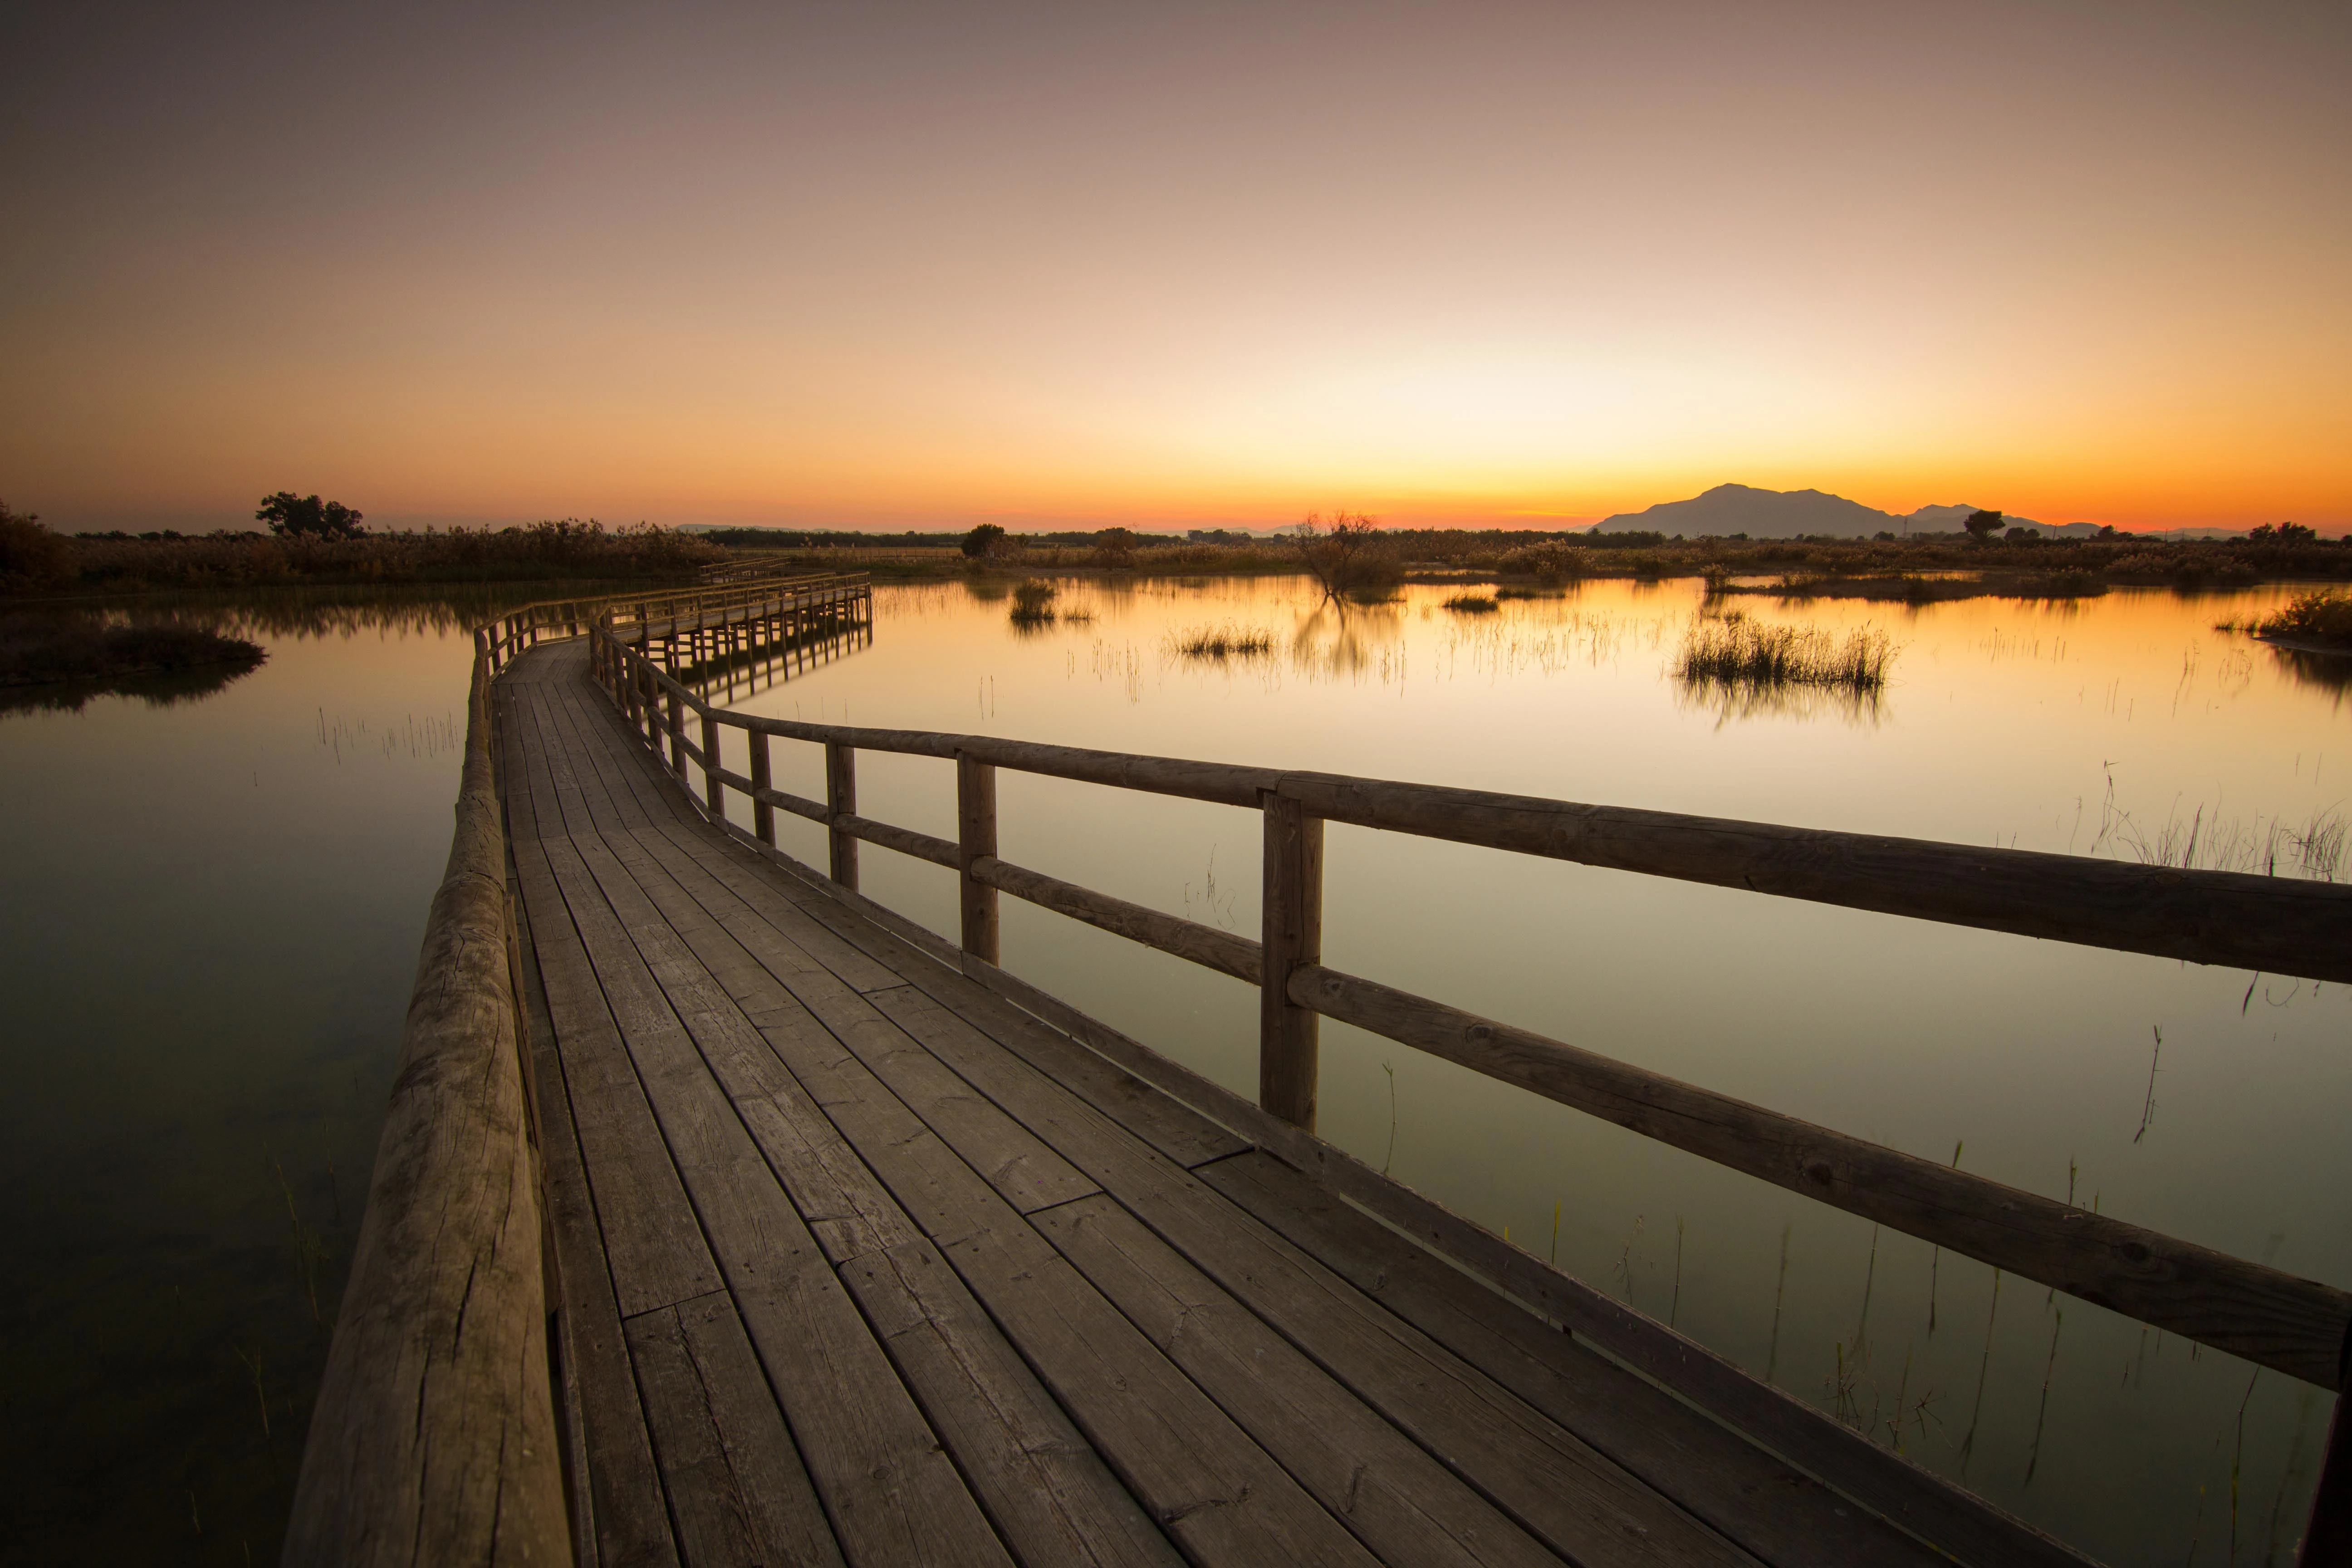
x=2277, y=1320
x=434, y=1439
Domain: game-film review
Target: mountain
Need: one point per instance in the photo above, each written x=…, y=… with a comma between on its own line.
x=1785, y=514
x=1759, y=514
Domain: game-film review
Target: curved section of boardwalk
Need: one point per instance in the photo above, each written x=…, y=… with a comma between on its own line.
x=858, y=1263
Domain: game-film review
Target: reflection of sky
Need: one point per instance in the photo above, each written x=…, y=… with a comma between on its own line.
x=2002, y=722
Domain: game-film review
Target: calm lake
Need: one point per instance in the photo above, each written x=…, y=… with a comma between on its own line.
x=213, y=910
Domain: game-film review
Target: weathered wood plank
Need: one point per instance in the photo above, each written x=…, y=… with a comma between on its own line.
x=1574, y=1499
x=734, y=1479
x=1779, y=1514
x=1400, y=1504
x=889, y=1491
x=2271, y=1317
x=1922, y=1503
x=1136, y=1414
x=617, y=1507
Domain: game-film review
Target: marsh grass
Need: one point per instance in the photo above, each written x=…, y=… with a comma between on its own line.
x=1032, y=602
x=1220, y=643
x=1734, y=651
x=1472, y=605
x=2322, y=619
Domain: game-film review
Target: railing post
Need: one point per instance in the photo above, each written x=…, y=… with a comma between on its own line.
x=1288, y=1035
x=714, y=793
x=763, y=815
x=677, y=734
x=840, y=801
x=975, y=837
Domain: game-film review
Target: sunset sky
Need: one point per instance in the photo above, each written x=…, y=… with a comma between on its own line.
x=892, y=267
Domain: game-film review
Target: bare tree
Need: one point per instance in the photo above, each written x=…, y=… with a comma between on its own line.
x=1348, y=555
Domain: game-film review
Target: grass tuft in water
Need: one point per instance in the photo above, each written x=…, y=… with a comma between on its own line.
x=1032, y=602
x=1472, y=605
x=1735, y=651
x=1220, y=644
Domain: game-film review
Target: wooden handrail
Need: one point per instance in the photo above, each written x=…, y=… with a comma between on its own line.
x=434, y=1439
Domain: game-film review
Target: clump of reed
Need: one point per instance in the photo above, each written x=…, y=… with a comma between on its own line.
x=1220, y=644
x=2321, y=618
x=1735, y=651
x=1032, y=602
x=1472, y=605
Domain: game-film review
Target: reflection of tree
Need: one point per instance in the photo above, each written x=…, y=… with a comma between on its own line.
x=1337, y=638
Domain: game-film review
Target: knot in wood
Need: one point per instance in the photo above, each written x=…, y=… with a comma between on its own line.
x=1819, y=1171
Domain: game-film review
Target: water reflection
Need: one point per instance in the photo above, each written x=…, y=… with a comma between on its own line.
x=2327, y=672
x=156, y=689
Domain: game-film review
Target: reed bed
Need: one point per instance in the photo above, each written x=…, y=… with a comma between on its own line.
x=1734, y=651
x=1472, y=605
x=2322, y=619
x=1032, y=602
x=1221, y=644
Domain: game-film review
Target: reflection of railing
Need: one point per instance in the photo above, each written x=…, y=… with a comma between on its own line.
x=2287, y=927
x=768, y=655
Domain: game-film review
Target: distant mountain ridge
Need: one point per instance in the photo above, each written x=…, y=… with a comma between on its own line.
x=1786, y=514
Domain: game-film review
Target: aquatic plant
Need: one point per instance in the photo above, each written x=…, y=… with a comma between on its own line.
x=1032, y=601
x=2323, y=619
x=1472, y=605
x=1735, y=651
x=1220, y=643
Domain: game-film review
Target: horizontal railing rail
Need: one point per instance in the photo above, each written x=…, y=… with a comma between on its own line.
x=2275, y=1320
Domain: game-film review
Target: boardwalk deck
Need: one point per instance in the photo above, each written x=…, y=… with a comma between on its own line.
x=855, y=1262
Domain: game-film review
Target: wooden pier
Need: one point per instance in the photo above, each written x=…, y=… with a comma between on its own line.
x=725, y=1216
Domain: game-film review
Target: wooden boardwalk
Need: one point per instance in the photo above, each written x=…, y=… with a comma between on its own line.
x=856, y=1262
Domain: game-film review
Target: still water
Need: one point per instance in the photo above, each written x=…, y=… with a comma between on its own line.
x=213, y=911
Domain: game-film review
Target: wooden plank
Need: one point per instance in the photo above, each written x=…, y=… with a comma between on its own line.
x=1779, y=1514
x=2271, y=1317
x=890, y=1491
x=651, y=1238
x=905, y=840
x=1400, y=1504
x=1142, y=1414
x=1920, y=1503
x=735, y=1480
x=1288, y=1048
x=1579, y=1501
x=433, y=1437
x=618, y=1512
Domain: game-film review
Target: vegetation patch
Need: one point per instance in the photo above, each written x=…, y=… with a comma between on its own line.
x=1735, y=651
x=1473, y=604
x=2321, y=620
x=52, y=660
x=1032, y=603
x=1220, y=644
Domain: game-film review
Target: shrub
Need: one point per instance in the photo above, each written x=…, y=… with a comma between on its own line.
x=30, y=555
